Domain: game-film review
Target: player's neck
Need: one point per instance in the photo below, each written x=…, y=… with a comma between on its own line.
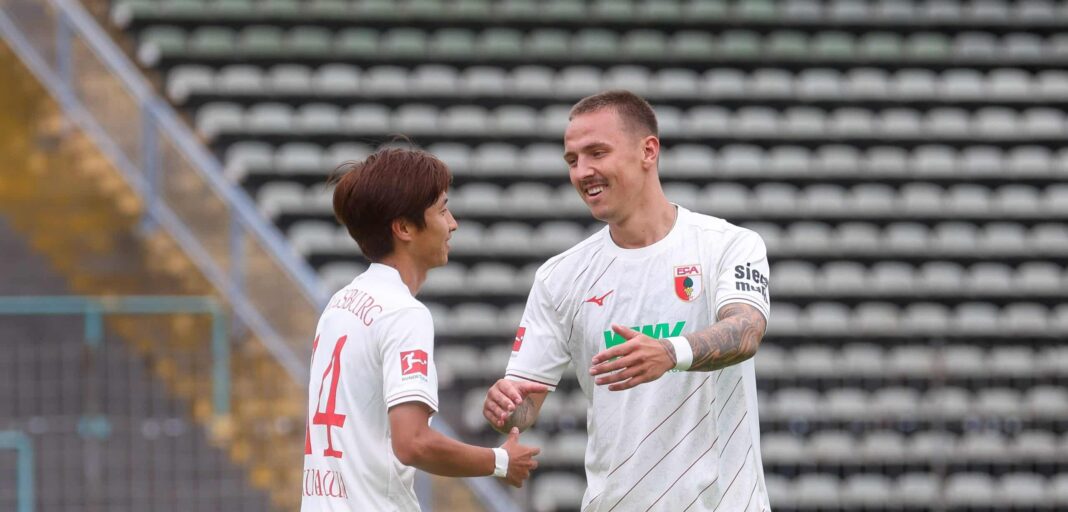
x=645, y=225
x=411, y=272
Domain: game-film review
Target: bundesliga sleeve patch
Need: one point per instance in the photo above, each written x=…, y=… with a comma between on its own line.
x=688, y=282
x=519, y=334
x=414, y=364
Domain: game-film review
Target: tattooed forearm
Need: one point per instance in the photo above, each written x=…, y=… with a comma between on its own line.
x=731, y=340
x=523, y=417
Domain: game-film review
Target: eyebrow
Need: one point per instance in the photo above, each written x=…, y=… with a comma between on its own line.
x=587, y=147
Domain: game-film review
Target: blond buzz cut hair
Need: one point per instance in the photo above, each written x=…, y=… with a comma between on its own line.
x=636, y=113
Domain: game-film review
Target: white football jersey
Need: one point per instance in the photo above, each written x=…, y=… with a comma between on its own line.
x=374, y=348
x=689, y=440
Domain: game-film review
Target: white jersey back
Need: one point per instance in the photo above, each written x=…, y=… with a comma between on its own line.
x=689, y=440
x=374, y=348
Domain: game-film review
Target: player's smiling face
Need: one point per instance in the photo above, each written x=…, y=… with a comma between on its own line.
x=605, y=163
x=431, y=243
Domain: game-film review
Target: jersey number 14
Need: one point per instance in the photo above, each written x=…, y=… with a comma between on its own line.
x=328, y=418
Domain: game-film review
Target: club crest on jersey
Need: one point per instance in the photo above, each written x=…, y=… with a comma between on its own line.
x=414, y=363
x=687, y=282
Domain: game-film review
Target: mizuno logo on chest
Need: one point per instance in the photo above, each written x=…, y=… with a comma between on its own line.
x=599, y=300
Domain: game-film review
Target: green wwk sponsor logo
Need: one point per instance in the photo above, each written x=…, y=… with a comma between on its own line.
x=655, y=331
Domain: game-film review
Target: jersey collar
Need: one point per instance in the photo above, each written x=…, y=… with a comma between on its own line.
x=385, y=274
x=643, y=252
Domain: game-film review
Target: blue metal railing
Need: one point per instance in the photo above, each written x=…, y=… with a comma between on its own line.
x=94, y=309
x=165, y=141
x=23, y=446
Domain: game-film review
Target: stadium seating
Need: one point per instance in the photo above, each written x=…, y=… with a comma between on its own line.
x=149, y=453
x=904, y=161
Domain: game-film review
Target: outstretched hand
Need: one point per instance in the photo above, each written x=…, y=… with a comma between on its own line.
x=639, y=360
x=520, y=459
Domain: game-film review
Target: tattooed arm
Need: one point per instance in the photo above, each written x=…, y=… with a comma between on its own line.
x=731, y=340
x=513, y=404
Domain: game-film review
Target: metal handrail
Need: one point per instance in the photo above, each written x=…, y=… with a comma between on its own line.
x=71, y=17
x=208, y=164
x=24, y=487
x=94, y=308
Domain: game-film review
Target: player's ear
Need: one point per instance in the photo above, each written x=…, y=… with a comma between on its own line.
x=402, y=229
x=650, y=150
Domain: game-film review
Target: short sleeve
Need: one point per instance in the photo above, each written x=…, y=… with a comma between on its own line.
x=744, y=275
x=539, y=351
x=406, y=347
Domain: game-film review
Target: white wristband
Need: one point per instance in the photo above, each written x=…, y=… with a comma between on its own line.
x=683, y=353
x=500, y=462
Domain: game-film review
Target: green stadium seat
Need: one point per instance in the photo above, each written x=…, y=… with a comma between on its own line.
x=645, y=44
x=500, y=43
x=928, y=46
x=612, y=10
x=404, y=42
x=471, y=9
x=385, y=81
x=805, y=10
x=660, y=11
x=434, y=79
x=533, y=81
x=261, y=40
x=424, y=9
x=790, y=44
x=232, y=9
x=330, y=9
x=309, y=41
x=453, y=43
x=547, y=43
x=691, y=44
x=159, y=41
x=185, y=9
x=757, y=10
x=833, y=45
x=280, y=9
x=740, y=44
x=212, y=41
x=356, y=42
x=336, y=79
x=880, y=45
x=164, y=37
x=518, y=9
x=849, y=10
x=895, y=11
x=596, y=43
x=289, y=79
x=240, y=79
x=564, y=10
x=379, y=10
x=706, y=10
x=1057, y=47
x=484, y=81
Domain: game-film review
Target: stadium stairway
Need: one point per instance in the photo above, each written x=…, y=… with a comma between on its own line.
x=62, y=195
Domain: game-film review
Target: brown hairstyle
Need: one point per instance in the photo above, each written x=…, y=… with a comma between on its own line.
x=635, y=112
x=392, y=183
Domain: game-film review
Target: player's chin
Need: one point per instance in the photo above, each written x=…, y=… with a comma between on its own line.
x=600, y=213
